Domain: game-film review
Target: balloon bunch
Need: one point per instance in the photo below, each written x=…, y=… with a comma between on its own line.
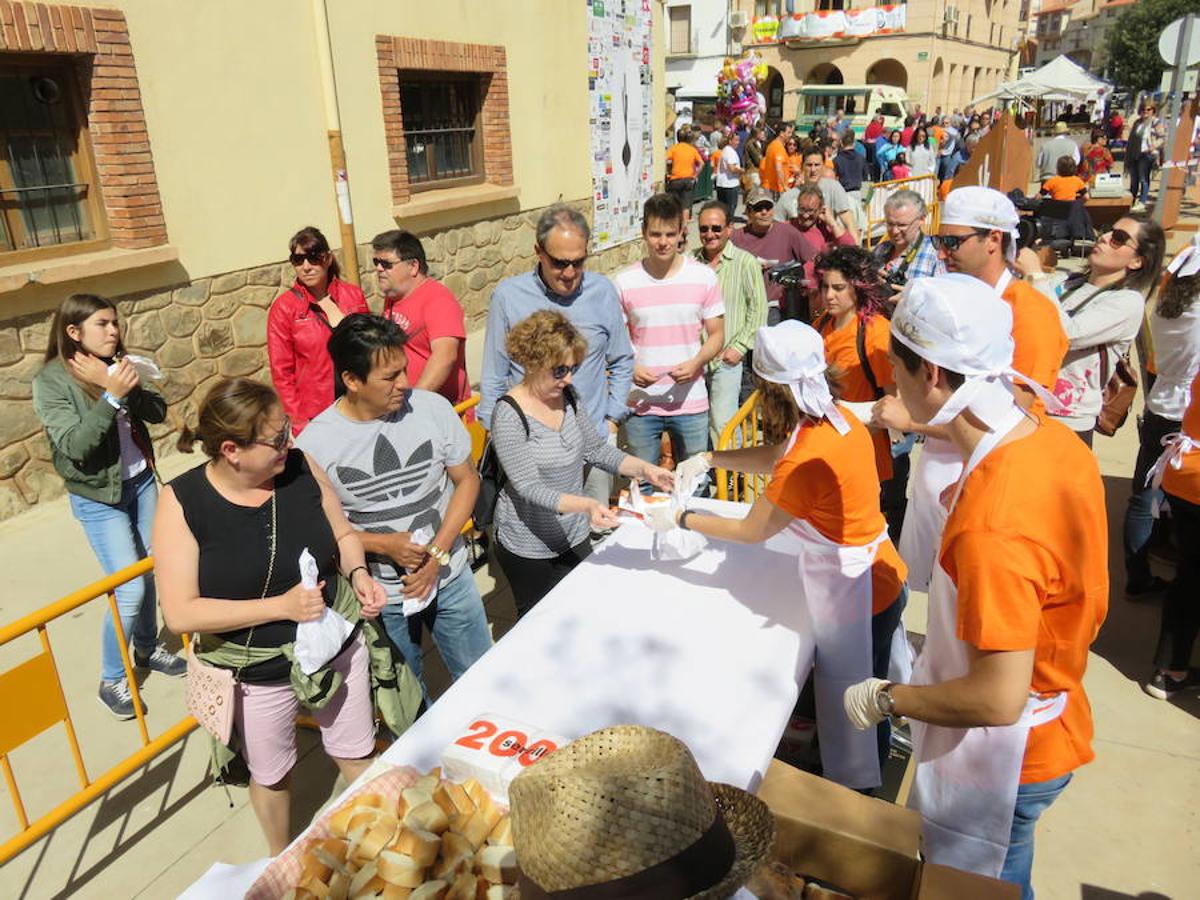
x=738, y=95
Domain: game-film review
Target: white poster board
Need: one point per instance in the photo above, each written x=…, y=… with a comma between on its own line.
x=620, y=97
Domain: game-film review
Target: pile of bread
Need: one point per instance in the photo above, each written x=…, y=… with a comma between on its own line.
x=775, y=881
x=439, y=841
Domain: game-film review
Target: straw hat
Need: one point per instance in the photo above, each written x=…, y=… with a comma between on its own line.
x=618, y=804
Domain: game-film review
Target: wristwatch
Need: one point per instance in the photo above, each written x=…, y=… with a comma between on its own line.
x=440, y=555
x=885, y=701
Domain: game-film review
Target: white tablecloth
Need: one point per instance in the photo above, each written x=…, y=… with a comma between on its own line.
x=710, y=650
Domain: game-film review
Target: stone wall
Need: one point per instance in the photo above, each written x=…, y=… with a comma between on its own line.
x=213, y=327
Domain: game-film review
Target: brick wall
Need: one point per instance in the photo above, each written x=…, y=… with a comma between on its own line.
x=98, y=40
x=397, y=53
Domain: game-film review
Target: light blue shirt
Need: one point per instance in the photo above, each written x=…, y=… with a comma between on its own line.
x=605, y=374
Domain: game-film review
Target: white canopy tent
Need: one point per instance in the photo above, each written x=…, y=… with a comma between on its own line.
x=1060, y=79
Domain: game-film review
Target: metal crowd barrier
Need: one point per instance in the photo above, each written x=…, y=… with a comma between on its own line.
x=925, y=185
x=32, y=698
x=743, y=430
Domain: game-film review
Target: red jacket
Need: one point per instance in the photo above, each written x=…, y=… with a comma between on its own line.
x=297, y=334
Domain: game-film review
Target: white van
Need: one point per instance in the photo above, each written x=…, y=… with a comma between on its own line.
x=859, y=103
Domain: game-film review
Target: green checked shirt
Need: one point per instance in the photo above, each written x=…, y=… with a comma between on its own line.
x=740, y=277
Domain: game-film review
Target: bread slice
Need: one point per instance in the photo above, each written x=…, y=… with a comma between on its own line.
x=465, y=887
x=380, y=835
x=476, y=792
x=415, y=796
x=334, y=853
x=339, y=822
x=366, y=881
x=422, y=846
x=427, y=817
x=398, y=869
x=461, y=799
x=429, y=781
x=339, y=886
x=500, y=892
x=502, y=833
x=431, y=890
x=498, y=864
x=457, y=854
x=475, y=829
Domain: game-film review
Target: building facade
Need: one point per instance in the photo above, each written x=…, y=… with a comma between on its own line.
x=942, y=53
x=165, y=157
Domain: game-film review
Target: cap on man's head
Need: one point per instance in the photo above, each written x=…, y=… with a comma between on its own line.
x=1060, y=127
x=956, y=322
x=757, y=195
x=980, y=207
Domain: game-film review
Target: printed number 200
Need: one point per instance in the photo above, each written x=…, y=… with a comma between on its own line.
x=508, y=743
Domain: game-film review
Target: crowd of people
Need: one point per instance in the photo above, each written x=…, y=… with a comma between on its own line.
x=356, y=456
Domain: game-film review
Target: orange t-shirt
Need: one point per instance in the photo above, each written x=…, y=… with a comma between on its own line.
x=686, y=161
x=827, y=480
x=841, y=350
x=775, y=153
x=1039, y=342
x=1064, y=187
x=1184, y=482
x=1027, y=547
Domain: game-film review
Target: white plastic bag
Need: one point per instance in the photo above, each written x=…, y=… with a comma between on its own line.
x=678, y=543
x=319, y=641
x=422, y=536
x=146, y=368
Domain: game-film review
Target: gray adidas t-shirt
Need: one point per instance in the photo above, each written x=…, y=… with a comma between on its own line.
x=390, y=473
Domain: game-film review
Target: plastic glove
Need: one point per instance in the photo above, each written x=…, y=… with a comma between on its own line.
x=862, y=703
x=692, y=468
x=661, y=517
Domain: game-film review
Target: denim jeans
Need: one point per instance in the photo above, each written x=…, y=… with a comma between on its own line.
x=724, y=388
x=1181, y=606
x=120, y=536
x=1139, y=515
x=455, y=619
x=1032, y=800
x=689, y=435
x=1141, y=170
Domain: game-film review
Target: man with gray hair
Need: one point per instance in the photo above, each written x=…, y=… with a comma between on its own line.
x=590, y=302
x=907, y=252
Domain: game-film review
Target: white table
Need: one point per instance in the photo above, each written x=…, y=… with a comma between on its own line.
x=711, y=650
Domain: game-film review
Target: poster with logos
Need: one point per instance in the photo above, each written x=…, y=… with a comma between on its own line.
x=620, y=97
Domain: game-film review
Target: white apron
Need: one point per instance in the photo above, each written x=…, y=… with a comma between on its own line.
x=835, y=586
x=967, y=778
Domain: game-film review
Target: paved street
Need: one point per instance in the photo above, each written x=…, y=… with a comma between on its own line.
x=1126, y=828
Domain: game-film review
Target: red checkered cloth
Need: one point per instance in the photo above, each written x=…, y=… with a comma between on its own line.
x=285, y=870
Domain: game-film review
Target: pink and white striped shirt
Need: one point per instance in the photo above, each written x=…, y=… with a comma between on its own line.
x=666, y=326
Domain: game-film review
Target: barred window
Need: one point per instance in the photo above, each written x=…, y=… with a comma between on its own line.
x=442, y=128
x=47, y=193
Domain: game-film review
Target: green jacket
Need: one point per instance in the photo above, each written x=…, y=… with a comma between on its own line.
x=83, y=432
x=394, y=687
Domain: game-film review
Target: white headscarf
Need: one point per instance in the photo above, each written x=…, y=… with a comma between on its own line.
x=1187, y=261
x=792, y=353
x=959, y=323
x=982, y=207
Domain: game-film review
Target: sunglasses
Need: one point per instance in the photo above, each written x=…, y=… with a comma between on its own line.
x=1119, y=237
x=564, y=264
x=561, y=372
x=713, y=229
x=280, y=441
x=387, y=264
x=762, y=206
x=952, y=242
x=316, y=257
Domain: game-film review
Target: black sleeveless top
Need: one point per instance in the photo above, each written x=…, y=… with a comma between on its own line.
x=235, y=549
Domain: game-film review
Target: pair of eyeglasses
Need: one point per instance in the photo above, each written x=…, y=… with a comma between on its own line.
x=1119, y=237
x=563, y=264
x=900, y=226
x=762, y=206
x=280, y=441
x=387, y=264
x=561, y=372
x=711, y=229
x=316, y=257
x=952, y=242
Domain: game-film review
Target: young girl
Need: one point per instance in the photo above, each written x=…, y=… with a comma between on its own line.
x=91, y=401
x=900, y=168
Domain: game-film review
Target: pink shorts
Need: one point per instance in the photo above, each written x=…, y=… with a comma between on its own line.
x=265, y=717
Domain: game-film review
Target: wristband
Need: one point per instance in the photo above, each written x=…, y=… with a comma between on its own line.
x=113, y=401
x=682, y=521
x=350, y=574
x=440, y=555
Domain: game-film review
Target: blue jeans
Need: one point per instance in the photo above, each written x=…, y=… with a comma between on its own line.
x=1032, y=800
x=1139, y=514
x=120, y=536
x=455, y=618
x=1141, y=170
x=689, y=436
x=724, y=387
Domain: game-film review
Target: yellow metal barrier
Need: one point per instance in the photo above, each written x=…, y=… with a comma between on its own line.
x=743, y=430
x=925, y=185
x=32, y=698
